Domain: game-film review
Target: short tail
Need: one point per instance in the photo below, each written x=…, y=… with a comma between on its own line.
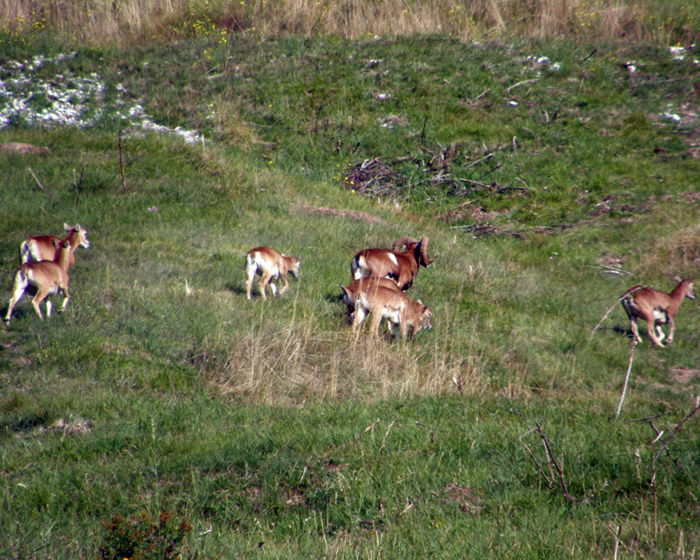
x=358, y=263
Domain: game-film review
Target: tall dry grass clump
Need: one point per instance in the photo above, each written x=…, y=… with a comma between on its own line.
x=293, y=364
x=120, y=20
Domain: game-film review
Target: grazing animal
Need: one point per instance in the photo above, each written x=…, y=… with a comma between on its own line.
x=397, y=264
x=43, y=247
x=656, y=308
x=269, y=264
x=404, y=315
x=368, y=283
x=43, y=278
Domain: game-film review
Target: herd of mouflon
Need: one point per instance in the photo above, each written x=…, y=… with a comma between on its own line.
x=380, y=279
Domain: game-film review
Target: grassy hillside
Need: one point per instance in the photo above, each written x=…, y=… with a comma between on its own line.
x=164, y=409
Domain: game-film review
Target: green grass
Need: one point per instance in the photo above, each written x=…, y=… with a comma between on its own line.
x=268, y=426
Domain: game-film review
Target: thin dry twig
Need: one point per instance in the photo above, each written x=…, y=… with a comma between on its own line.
x=482, y=94
x=121, y=161
x=38, y=182
x=532, y=456
x=627, y=377
x=623, y=296
x=367, y=429
x=523, y=83
x=664, y=443
x=560, y=473
x=386, y=435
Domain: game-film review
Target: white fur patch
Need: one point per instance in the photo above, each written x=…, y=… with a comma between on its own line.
x=392, y=258
x=660, y=316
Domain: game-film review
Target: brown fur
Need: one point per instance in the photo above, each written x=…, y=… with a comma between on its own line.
x=382, y=302
x=401, y=266
x=269, y=264
x=656, y=308
x=368, y=283
x=46, y=277
x=43, y=247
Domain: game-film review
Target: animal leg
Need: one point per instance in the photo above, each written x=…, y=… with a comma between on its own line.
x=66, y=297
x=635, y=331
x=671, y=330
x=18, y=291
x=651, y=331
x=404, y=330
x=286, y=284
x=38, y=298
x=263, y=282
x=398, y=330
x=358, y=318
x=659, y=333
x=374, y=325
x=250, y=271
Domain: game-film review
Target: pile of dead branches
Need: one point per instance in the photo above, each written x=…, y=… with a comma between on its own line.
x=373, y=177
x=437, y=169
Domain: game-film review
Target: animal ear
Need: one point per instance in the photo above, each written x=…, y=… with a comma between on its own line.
x=677, y=279
x=67, y=227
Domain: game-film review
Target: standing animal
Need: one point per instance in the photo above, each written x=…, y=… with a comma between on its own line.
x=656, y=308
x=269, y=264
x=43, y=278
x=399, y=264
x=404, y=315
x=368, y=283
x=43, y=247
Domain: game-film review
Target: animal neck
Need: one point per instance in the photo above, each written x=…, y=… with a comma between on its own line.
x=73, y=238
x=679, y=292
x=63, y=256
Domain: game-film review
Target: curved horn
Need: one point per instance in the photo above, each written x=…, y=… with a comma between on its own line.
x=401, y=244
x=423, y=248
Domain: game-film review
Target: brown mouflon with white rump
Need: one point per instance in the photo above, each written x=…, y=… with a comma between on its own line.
x=404, y=315
x=269, y=264
x=656, y=308
x=45, y=278
x=43, y=247
x=368, y=283
x=400, y=264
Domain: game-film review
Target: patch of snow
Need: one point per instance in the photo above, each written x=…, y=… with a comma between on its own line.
x=69, y=100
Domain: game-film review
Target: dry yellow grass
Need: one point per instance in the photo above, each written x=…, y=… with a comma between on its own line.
x=125, y=20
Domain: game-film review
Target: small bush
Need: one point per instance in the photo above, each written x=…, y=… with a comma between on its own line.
x=142, y=538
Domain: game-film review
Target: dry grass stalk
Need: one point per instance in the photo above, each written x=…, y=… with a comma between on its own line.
x=97, y=22
x=288, y=366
